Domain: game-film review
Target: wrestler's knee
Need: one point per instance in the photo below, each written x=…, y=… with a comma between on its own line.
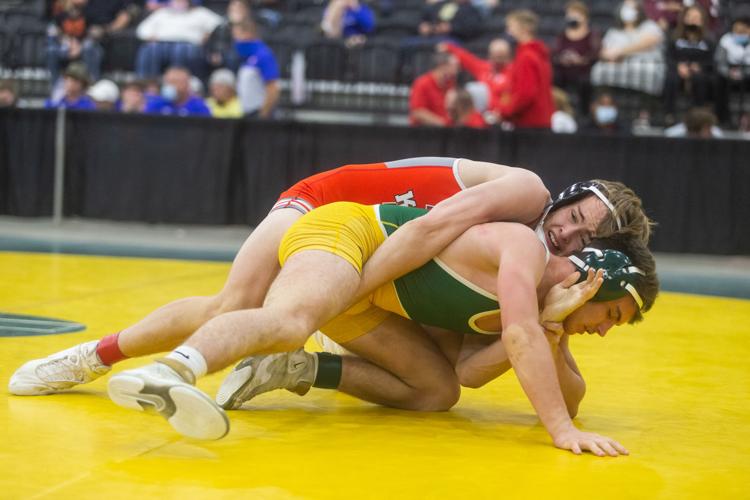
x=440, y=395
x=293, y=331
x=232, y=299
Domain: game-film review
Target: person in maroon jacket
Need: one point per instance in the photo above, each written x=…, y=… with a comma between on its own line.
x=575, y=50
x=528, y=104
x=492, y=72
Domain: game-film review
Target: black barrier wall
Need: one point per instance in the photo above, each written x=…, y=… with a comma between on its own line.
x=206, y=171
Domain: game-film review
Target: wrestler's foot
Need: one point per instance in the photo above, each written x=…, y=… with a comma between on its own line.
x=59, y=371
x=160, y=388
x=294, y=371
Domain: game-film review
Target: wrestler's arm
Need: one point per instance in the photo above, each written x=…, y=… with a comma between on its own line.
x=522, y=263
x=512, y=194
x=571, y=381
x=483, y=359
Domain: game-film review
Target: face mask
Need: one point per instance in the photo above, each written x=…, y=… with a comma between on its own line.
x=692, y=28
x=245, y=48
x=169, y=92
x=628, y=14
x=741, y=39
x=606, y=114
x=571, y=22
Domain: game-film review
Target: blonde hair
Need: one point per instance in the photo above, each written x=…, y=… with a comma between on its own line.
x=562, y=103
x=525, y=18
x=628, y=208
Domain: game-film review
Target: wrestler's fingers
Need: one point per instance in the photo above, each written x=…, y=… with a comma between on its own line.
x=571, y=280
x=594, y=448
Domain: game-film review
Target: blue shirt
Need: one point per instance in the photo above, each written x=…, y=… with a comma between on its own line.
x=257, y=55
x=358, y=21
x=83, y=102
x=194, y=106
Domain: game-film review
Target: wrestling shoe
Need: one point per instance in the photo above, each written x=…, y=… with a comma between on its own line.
x=162, y=387
x=59, y=371
x=293, y=371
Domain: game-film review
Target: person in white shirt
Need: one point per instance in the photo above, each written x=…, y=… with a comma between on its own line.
x=174, y=35
x=632, y=53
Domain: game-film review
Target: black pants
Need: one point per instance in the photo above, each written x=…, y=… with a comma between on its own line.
x=698, y=86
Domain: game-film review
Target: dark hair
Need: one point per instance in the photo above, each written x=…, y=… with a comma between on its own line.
x=641, y=14
x=441, y=58
x=679, y=31
x=647, y=284
x=696, y=119
x=9, y=85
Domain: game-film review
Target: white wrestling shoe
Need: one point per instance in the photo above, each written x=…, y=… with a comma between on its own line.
x=59, y=371
x=294, y=371
x=160, y=387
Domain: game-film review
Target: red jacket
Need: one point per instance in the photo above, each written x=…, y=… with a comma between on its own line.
x=483, y=71
x=427, y=93
x=529, y=101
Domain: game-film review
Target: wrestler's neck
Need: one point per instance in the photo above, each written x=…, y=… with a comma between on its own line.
x=558, y=268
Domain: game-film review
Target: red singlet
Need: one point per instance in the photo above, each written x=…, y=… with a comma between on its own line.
x=414, y=182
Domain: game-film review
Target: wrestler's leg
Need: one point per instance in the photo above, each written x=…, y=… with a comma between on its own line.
x=398, y=365
x=313, y=287
x=252, y=272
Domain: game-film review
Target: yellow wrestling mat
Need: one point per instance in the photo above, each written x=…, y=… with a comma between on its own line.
x=674, y=390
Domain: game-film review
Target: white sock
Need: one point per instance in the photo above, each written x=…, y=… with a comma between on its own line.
x=191, y=358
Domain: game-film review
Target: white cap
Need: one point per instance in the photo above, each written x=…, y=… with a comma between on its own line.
x=104, y=91
x=223, y=76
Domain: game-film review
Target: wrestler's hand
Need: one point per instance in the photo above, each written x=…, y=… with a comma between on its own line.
x=567, y=296
x=578, y=441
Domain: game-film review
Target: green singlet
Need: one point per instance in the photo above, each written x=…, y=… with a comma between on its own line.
x=434, y=294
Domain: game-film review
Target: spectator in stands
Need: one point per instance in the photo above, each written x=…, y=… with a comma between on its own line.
x=563, y=120
x=491, y=73
x=108, y=17
x=461, y=110
x=698, y=123
x=733, y=64
x=664, y=12
x=528, y=102
x=176, y=96
x=132, y=98
x=258, y=76
x=351, y=20
x=575, y=51
x=485, y=7
x=75, y=82
x=105, y=94
x=689, y=60
x=605, y=117
x=443, y=19
x=223, y=101
x=428, y=92
x=68, y=40
x=8, y=94
x=174, y=35
x=631, y=55
x=220, y=45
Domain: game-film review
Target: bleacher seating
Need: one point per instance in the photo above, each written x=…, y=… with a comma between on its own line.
x=371, y=77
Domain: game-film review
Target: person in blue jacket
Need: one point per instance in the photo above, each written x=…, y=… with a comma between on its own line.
x=75, y=82
x=176, y=97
